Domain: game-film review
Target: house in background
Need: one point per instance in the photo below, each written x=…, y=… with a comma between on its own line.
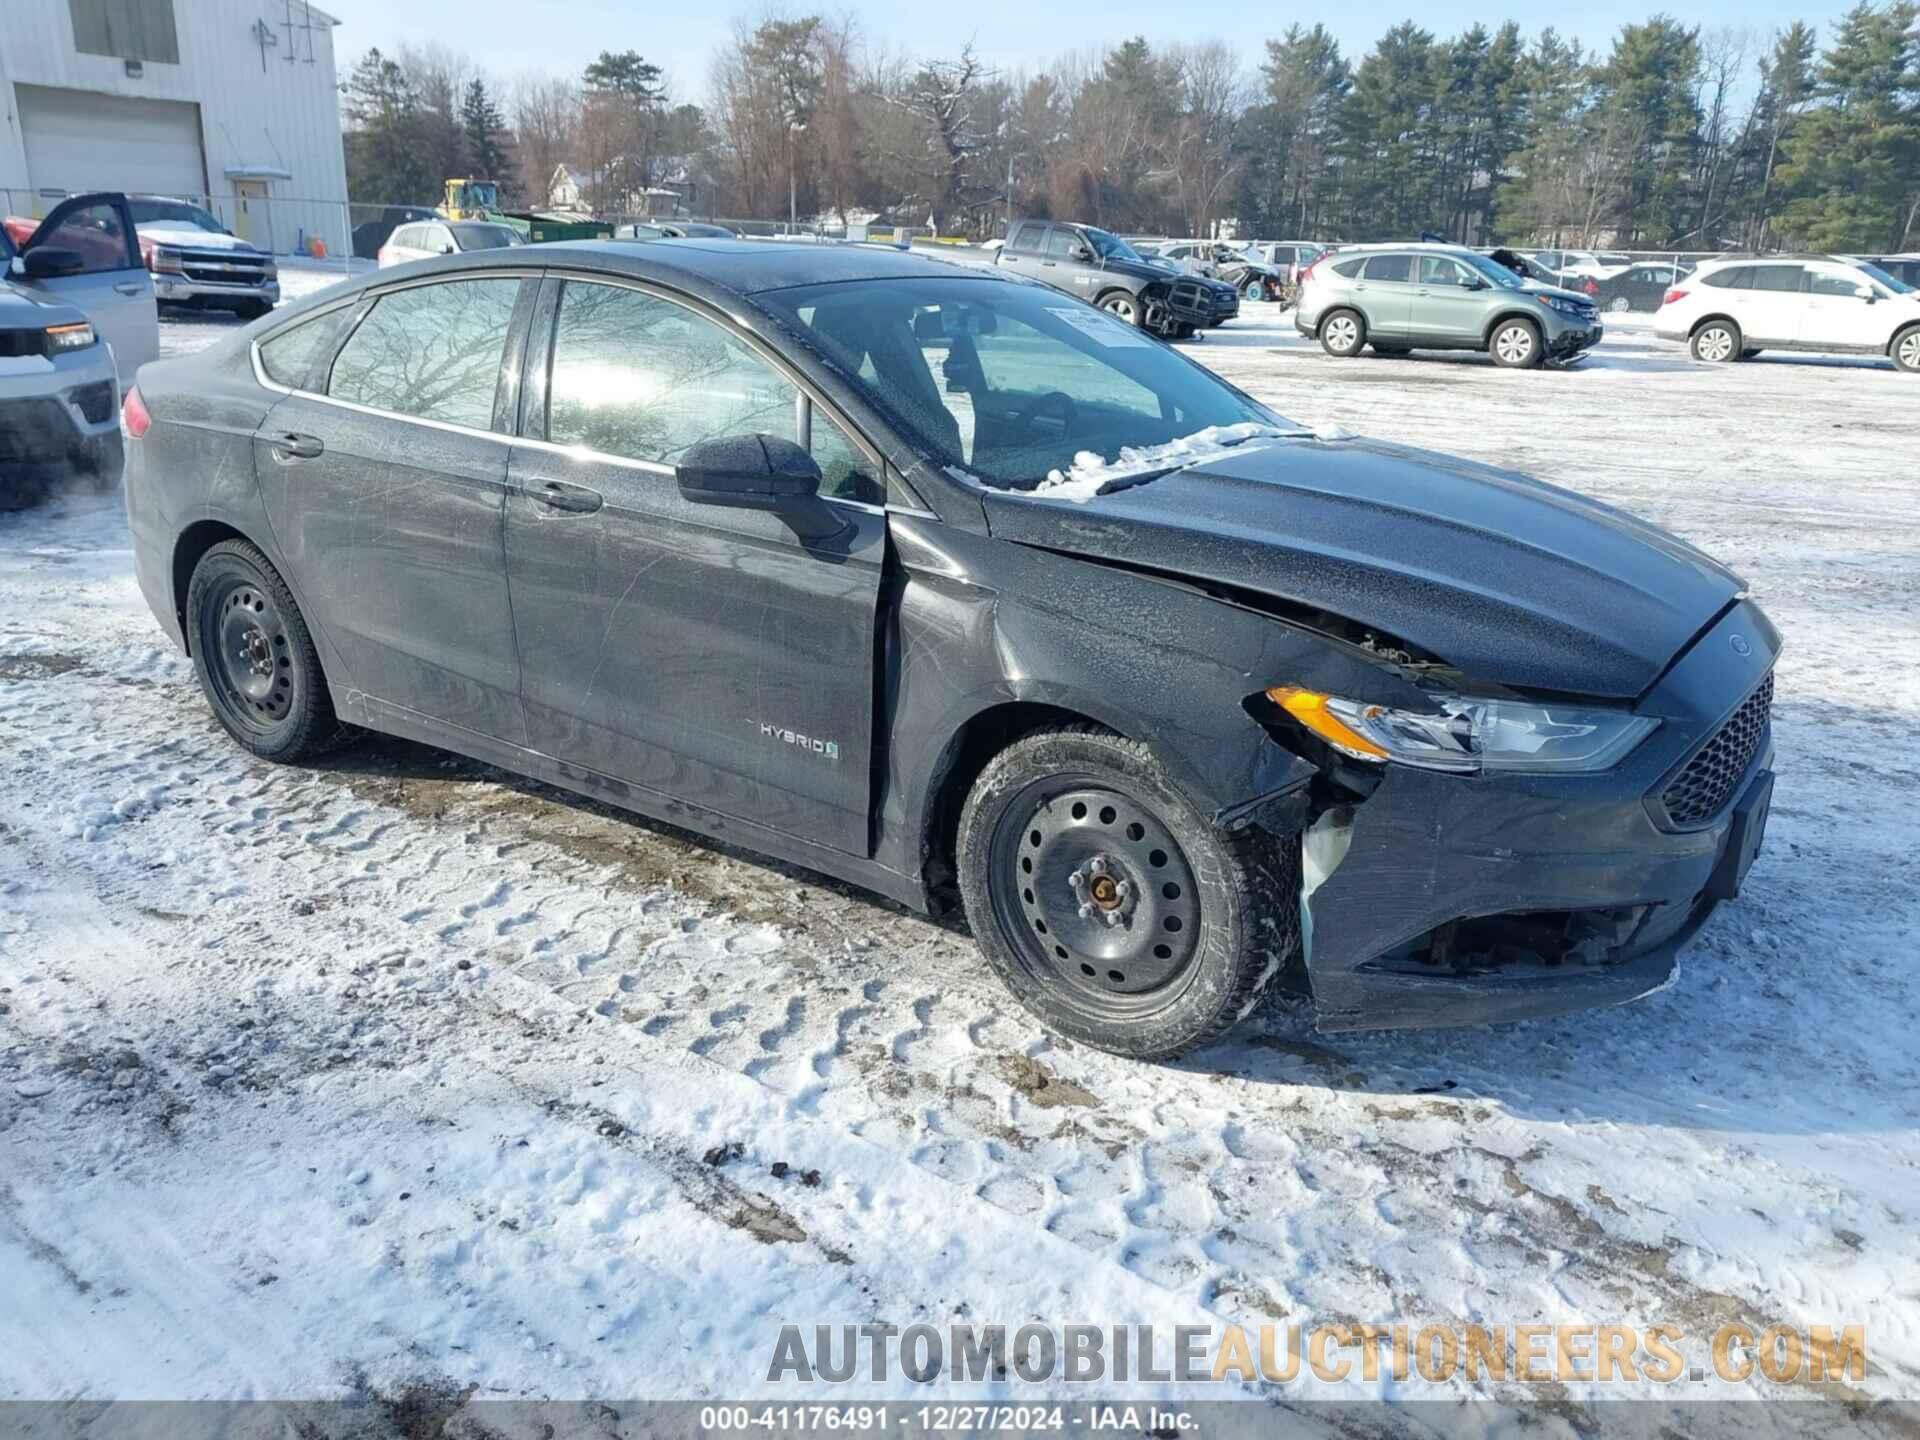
x=614, y=189
x=234, y=104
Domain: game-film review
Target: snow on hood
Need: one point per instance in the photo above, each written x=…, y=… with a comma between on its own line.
x=190, y=237
x=1091, y=473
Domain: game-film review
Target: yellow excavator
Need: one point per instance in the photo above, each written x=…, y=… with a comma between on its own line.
x=469, y=198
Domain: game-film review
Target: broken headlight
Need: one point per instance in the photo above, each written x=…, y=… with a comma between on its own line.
x=1470, y=734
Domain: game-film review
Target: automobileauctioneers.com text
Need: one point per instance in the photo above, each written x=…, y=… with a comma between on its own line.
x=1331, y=1353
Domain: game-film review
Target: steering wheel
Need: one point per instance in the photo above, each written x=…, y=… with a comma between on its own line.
x=1052, y=400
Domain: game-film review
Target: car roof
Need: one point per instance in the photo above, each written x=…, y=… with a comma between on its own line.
x=739, y=267
x=1429, y=247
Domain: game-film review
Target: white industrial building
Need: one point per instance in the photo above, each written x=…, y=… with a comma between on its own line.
x=232, y=102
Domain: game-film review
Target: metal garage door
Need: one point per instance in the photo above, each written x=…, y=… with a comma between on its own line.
x=78, y=140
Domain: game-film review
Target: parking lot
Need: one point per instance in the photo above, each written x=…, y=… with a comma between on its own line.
x=400, y=1075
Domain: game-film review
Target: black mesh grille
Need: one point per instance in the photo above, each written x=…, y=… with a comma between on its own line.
x=1705, y=783
x=34, y=430
x=95, y=401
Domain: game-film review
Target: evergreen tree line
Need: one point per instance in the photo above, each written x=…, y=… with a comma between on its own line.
x=1674, y=136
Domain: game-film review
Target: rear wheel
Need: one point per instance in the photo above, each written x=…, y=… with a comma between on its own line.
x=1110, y=906
x=1343, y=333
x=1620, y=305
x=1906, y=350
x=1516, y=345
x=1717, y=342
x=1254, y=289
x=255, y=657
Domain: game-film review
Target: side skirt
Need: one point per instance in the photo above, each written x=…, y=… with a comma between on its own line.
x=361, y=709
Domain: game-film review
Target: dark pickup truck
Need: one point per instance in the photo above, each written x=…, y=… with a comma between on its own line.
x=1109, y=274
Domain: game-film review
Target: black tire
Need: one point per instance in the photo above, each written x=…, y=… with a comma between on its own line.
x=255, y=657
x=1906, y=350
x=1717, y=343
x=1343, y=332
x=1125, y=306
x=1516, y=344
x=1145, y=930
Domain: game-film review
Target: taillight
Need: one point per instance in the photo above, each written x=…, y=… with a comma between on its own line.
x=1591, y=287
x=133, y=413
x=1309, y=268
x=1673, y=297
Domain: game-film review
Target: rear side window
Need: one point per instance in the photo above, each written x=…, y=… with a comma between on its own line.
x=1777, y=277
x=1397, y=268
x=430, y=351
x=1735, y=277
x=289, y=357
x=1026, y=237
x=1349, y=268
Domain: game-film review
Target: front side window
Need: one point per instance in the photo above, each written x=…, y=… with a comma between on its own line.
x=1007, y=382
x=430, y=351
x=1397, y=269
x=1062, y=243
x=95, y=234
x=1825, y=282
x=1439, y=270
x=642, y=378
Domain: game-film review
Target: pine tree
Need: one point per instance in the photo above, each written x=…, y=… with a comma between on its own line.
x=1853, y=158
x=385, y=164
x=482, y=124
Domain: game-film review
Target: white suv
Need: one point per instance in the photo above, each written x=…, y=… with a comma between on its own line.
x=1733, y=309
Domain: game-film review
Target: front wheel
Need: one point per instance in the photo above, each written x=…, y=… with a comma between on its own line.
x=1111, y=907
x=1717, y=342
x=1122, y=306
x=1516, y=345
x=1342, y=333
x=1620, y=305
x=1906, y=350
x=1254, y=290
x=255, y=657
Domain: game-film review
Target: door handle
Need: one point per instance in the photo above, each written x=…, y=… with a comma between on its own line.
x=131, y=287
x=292, y=446
x=569, y=499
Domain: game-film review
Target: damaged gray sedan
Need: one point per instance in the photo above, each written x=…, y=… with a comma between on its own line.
x=960, y=590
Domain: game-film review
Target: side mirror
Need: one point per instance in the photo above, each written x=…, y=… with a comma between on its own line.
x=747, y=472
x=1865, y=292
x=50, y=263
x=759, y=472
x=447, y=249
x=1474, y=282
x=1082, y=252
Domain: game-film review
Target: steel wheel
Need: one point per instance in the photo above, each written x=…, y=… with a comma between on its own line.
x=1716, y=344
x=248, y=658
x=1619, y=305
x=1907, y=353
x=1122, y=307
x=1514, y=344
x=1096, y=895
x=1341, y=335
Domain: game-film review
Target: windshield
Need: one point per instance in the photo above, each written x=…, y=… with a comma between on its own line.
x=1108, y=246
x=1898, y=287
x=1491, y=269
x=174, y=212
x=1009, y=382
x=483, y=237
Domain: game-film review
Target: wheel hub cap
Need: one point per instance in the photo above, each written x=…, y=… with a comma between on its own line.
x=1101, y=893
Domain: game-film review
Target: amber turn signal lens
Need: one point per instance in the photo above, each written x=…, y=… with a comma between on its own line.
x=1309, y=707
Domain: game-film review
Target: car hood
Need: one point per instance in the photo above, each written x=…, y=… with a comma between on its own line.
x=190, y=237
x=1534, y=287
x=23, y=310
x=1508, y=579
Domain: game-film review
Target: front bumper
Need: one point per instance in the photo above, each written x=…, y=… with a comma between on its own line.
x=1574, y=338
x=1191, y=302
x=1431, y=864
x=57, y=418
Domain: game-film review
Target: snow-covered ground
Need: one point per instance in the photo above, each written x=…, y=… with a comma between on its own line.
x=399, y=1072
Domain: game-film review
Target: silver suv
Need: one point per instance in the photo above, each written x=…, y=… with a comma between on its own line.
x=1399, y=298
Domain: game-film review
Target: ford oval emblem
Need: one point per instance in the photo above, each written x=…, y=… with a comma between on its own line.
x=1740, y=645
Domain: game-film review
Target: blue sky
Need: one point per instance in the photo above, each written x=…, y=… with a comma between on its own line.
x=505, y=36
